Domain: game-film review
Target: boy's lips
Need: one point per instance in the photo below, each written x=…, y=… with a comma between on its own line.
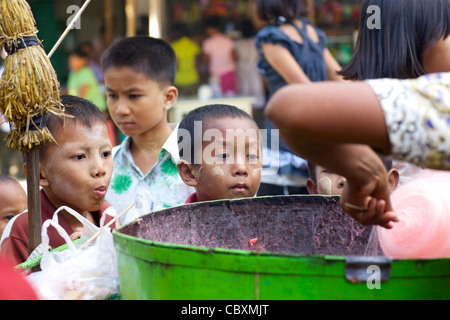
x=240, y=187
x=125, y=124
x=100, y=191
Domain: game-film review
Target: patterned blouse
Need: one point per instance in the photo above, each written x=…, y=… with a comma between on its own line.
x=417, y=114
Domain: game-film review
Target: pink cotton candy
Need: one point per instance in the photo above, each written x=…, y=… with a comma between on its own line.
x=423, y=207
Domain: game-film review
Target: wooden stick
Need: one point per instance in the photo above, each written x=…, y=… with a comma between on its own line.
x=34, y=203
x=258, y=249
x=69, y=27
x=105, y=226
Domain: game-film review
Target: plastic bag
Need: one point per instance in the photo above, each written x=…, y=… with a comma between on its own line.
x=89, y=229
x=87, y=274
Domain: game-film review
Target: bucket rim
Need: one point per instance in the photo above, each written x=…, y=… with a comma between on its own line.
x=239, y=260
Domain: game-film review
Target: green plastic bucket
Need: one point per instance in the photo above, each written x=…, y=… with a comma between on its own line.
x=306, y=248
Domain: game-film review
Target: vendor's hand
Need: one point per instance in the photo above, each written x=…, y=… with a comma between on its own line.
x=76, y=234
x=369, y=205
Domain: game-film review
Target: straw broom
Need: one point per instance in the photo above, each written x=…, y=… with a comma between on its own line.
x=29, y=92
x=29, y=87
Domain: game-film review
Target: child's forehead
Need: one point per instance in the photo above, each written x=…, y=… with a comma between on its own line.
x=238, y=136
x=9, y=188
x=72, y=127
x=228, y=122
x=127, y=71
x=124, y=68
x=128, y=77
x=76, y=133
x=8, y=184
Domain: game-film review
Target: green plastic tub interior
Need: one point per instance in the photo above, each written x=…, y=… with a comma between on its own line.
x=160, y=270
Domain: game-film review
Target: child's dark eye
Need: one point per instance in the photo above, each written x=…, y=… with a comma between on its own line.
x=253, y=156
x=79, y=157
x=222, y=155
x=134, y=96
x=106, y=154
x=111, y=96
x=9, y=217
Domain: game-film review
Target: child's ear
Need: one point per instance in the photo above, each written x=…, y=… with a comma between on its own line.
x=170, y=97
x=393, y=179
x=311, y=186
x=43, y=182
x=187, y=173
x=24, y=168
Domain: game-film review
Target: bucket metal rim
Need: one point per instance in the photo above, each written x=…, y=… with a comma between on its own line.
x=267, y=262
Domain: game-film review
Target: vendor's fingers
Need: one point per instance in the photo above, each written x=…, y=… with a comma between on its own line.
x=388, y=206
x=385, y=217
x=368, y=216
x=75, y=235
x=375, y=213
x=351, y=207
x=356, y=211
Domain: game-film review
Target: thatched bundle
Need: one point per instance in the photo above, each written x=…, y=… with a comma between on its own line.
x=29, y=86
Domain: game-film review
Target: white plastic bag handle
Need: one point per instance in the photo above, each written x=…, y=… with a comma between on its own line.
x=89, y=229
x=46, y=239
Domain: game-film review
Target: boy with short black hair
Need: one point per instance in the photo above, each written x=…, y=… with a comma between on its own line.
x=326, y=182
x=75, y=172
x=139, y=79
x=13, y=200
x=220, y=153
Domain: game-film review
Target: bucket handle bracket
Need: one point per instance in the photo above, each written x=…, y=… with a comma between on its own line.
x=362, y=269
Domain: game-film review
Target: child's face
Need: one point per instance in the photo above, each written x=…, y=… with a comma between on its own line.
x=136, y=103
x=76, y=63
x=76, y=171
x=13, y=200
x=330, y=183
x=327, y=182
x=231, y=167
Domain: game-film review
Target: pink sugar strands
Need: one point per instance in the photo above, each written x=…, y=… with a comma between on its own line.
x=423, y=207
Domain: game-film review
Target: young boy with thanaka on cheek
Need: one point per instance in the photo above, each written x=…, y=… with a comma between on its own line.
x=139, y=79
x=74, y=172
x=224, y=161
x=326, y=182
x=13, y=200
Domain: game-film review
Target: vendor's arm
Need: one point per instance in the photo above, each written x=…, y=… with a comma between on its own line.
x=329, y=124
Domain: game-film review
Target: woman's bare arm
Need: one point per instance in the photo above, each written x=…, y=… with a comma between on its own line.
x=332, y=66
x=284, y=63
x=333, y=125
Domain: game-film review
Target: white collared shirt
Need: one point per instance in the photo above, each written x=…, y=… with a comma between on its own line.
x=160, y=188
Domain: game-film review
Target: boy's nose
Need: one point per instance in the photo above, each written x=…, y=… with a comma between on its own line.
x=98, y=169
x=240, y=169
x=122, y=108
